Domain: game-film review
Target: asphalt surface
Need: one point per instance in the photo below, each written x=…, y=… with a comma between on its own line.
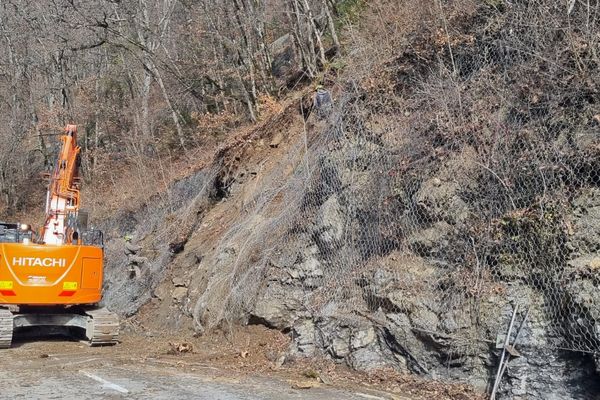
x=70, y=370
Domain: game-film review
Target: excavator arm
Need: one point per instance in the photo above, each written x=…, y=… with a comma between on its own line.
x=62, y=201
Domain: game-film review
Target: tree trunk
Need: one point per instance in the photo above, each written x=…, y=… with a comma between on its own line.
x=331, y=23
x=313, y=25
x=174, y=114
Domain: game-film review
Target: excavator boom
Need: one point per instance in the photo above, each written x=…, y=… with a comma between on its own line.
x=62, y=203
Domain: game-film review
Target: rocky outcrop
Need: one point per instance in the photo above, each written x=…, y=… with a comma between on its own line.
x=407, y=304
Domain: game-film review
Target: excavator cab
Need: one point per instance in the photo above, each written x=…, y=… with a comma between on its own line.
x=15, y=233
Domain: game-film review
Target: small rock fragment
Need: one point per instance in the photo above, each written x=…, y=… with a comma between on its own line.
x=305, y=385
x=178, y=348
x=178, y=282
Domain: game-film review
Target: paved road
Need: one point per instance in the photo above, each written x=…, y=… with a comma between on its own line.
x=143, y=382
x=38, y=371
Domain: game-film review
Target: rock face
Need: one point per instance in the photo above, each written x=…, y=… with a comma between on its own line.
x=582, y=274
x=542, y=371
x=343, y=289
x=368, y=273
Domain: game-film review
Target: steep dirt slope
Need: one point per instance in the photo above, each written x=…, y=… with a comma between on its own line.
x=156, y=250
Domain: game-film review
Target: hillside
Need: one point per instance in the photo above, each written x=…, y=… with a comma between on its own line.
x=452, y=186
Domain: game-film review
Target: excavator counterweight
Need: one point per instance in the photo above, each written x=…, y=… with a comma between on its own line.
x=54, y=279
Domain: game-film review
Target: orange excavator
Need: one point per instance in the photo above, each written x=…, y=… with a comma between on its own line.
x=52, y=281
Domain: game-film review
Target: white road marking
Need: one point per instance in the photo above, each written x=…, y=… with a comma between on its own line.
x=368, y=396
x=105, y=383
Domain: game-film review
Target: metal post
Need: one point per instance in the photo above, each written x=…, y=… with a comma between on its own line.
x=506, y=341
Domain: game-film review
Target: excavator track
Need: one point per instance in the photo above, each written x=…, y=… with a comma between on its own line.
x=6, y=328
x=102, y=327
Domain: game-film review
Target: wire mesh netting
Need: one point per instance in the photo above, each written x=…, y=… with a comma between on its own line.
x=462, y=181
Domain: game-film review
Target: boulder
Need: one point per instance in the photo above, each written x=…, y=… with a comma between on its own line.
x=131, y=248
x=179, y=294
x=279, y=306
x=330, y=224
x=304, y=333
x=430, y=241
x=440, y=200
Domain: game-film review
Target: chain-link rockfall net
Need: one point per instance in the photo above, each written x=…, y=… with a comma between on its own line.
x=448, y=184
